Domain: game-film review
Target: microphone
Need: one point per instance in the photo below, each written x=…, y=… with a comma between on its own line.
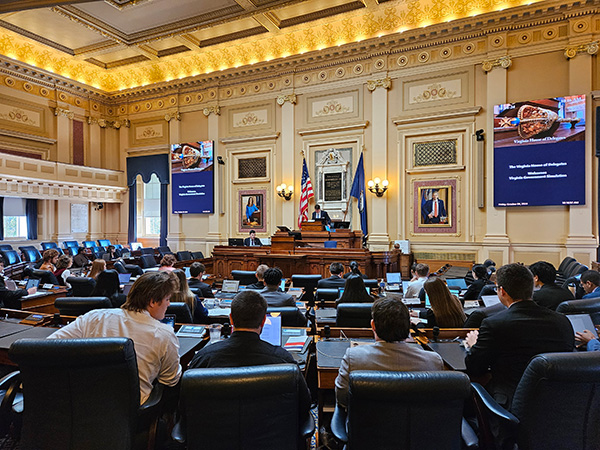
x=436, y=333
x=327, y=331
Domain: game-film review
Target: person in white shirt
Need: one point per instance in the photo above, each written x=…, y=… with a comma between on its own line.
x=414, y=287
x=156, y=345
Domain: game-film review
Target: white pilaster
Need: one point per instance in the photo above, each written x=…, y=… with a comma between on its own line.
x=289, y=209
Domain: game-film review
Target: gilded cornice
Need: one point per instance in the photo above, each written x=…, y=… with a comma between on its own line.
x=387, y=19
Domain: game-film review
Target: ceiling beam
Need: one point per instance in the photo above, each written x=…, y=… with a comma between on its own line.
x=370, y=3
x=268, y=19
x=188, y=40
x=148, y=51
x=96, y=49
x=20, y=5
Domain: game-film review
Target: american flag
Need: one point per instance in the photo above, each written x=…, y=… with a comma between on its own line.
x=306, y=193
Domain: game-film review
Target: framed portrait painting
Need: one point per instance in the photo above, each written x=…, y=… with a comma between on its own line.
x=251, y=206
x=434, y=206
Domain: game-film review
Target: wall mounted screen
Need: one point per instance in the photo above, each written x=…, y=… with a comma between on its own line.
x=539, y=152
x=192, y=171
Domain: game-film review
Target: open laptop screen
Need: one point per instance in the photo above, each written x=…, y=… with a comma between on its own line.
x=272, y=330
x=32, y=282
x=458, y=282
x=124, y=278
x=231, y=286
x=393, y=277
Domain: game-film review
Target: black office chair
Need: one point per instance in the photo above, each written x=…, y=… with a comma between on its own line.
x=309, y=283
x=403, y=410
x=119, y=266
x=164, y=250
x=78, y=306
x=556, y=404
x=71, y=247
x=105, y=243
x=10, y=257
x=181, y=311
x=45, y=276
x=353, y=315
x=49, y=245
x=147, y=251
x=371, y=283
x=30, y=253
x=245, y=277
x=260, y=404
x=10, y=397
x=98, y=252
x=81, y=286
x=184, y=256
x=327, y=294
x=6, y=247
x=148, y=261
x=589, y=306
x=290, y=315
x=88, y=244
x=83, y=394
x=197, y=255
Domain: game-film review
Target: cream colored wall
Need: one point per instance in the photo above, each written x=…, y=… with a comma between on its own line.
x=385, y=115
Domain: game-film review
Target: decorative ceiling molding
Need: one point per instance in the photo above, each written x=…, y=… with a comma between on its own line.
x=334, y=128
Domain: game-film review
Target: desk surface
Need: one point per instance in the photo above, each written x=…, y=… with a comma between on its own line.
x=8, y=328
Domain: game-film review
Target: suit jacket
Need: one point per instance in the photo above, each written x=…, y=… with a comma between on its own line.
x=324, y=215
x=509, y=339
x=331, y=282
x=472, y=292
x=257, y=285
x=274, y=297
x=551, y=295
x=8, y=298
x=204, y=290
x=245, y=348
x=595, y=293
x=476, y=317
x=428, y=208
x=257, y=242
x=388, y=356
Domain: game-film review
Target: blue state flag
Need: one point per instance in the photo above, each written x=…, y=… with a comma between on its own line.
x=358, y=192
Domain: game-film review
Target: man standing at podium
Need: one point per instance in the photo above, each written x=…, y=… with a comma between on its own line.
x=320, y=214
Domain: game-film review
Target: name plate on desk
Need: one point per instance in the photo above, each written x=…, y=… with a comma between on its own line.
x=47, y=286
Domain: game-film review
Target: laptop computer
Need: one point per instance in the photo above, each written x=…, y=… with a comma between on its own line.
x=271, y=332
x=124, y=278
x=490, y=300
x=229, y=289
x=393, y=278
x=405, y=285
x=10, y=285
x=135, y=246
x=235, y=242
x=32, y=282
x=581, y=322
x=457, y=282
x=127, y=288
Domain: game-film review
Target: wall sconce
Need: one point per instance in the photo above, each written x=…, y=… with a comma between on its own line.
x=377, y=186
x=285, y=191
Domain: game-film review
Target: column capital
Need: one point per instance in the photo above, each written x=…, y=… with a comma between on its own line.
x=64, y=112
x=215, y=109
x=172, y=115
x=103, y=123
x=281, y=99
x=503, y=62
x=384, y=83
x=573, y=50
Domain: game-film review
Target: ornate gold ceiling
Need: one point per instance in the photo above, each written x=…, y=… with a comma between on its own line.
x=115, y=45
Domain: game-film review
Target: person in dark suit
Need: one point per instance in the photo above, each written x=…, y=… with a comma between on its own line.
x=336, y=270
x=319, y=213
x=508, y=339
x=195, y=282
x=549, y=294
x=480, y=275
x=260, y=276
x=252, y=241
x=271, y=292
x=8, y=298
x=434, y=209
x=590, y=281
x=245, y=348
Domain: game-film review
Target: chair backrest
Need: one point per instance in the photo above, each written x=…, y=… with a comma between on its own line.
x=564, y=263
x=163, y=250
x=330, y=244
x=148, y=261
x=197, y=255
x=184, y=255
x=246, y=277
x=147, y=251
x=182, y=312
x=327, y=294
x=6, y=247
x=30, y=253
x=308, y=282
x=71, y=246
x=290, y=315
x=47, y=245
x=89, y=244
x=97, y=252
x=406, y=410
x=81, y=286
x=10, y=257
x=589, y=306
x=103, y=243
x=80, y=393
x=354, y=315
x=371, y=283
x=577, y=269
x=557, y=402
x=77, y=306
x=260, y=403
x=45, y=276
x=119, y=266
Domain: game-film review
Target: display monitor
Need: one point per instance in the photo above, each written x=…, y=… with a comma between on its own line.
x=192, y=175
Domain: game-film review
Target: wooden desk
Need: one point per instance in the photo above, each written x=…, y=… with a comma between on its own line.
x=42, y=303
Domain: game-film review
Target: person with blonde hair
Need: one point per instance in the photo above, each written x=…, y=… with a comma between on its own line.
x=99, y=265
x=185, y=295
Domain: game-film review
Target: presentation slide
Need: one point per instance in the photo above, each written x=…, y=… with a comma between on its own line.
x=192, y=175
x=539, y=152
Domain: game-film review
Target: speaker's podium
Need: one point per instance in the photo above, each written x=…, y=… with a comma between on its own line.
x=313, y=225
x=283, y=241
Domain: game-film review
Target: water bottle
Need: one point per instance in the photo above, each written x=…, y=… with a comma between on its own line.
x=382, y=288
